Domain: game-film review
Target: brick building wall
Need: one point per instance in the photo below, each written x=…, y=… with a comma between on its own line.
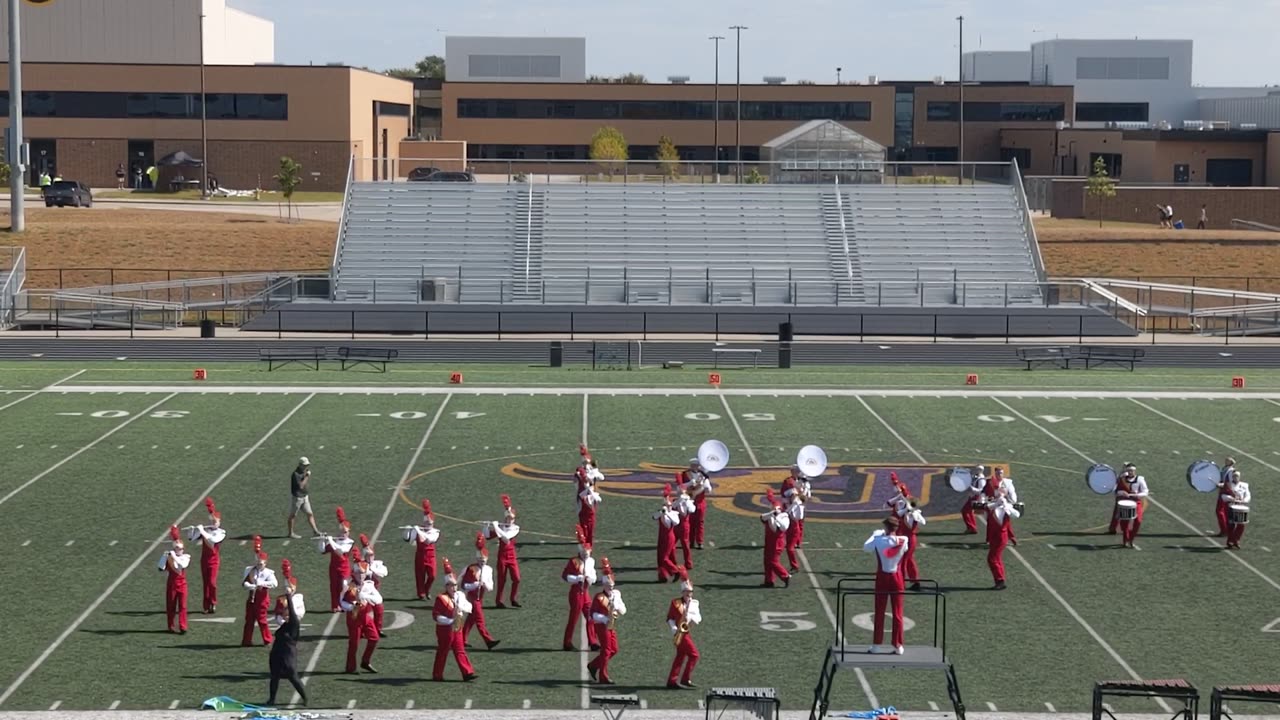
x=1138, y=204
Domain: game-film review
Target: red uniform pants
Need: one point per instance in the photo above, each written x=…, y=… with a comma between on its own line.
x=508, y=567
x=424, y=569
x=995, y=557
x=336, y=577
x=969, y=517
x=683, y=533
x=889, y=589
x=795, y=536
x=579, y=606
x=687, y=655
x=175, y=602
x=1130, y=527
x=1235, y=532
x=476, y=620
x=256, y=612
x=587, y=519
x=698, y=518
x=1115, y=519
x=666, y=552
x=361, y=626
x=608, y=648
x=1221, y=511
x=209, y=579
x=773, y=569
x=910, y=570
x=448, y=641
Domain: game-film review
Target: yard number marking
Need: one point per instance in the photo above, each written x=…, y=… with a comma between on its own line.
x=408, y=415
x=995, y=418
x=464, y=415
x=866, y=621
x=785, y=621
x=701, y=416
x=110, y=414
x=1046, y=418
x=158, y=414
x=766, y=417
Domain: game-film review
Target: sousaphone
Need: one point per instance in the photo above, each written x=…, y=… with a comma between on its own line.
x=812, y=461
x=713, y=456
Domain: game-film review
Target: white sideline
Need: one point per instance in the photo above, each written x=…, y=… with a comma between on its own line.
x=199, y=501
x=808, y=569
x=682, y=391
x=377, y=532
x=1036, y=574
x=142, y=413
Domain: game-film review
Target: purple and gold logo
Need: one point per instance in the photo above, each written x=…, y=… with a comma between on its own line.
x=846, y=492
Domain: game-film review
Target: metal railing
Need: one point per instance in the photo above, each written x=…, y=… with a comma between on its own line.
x=13, y=275
x=342, y=217
x=1238, y=224
x=1028, y=226
x=38, y=307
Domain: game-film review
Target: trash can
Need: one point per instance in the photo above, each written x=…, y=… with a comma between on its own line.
x=786, y=331
x=207, y=328
x=557, y=354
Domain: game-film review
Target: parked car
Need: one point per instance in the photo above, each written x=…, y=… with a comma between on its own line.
x=443, y=176
x=420, y=174
x=68, y=192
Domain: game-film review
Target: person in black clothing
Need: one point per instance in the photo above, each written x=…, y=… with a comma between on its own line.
x=284, y=650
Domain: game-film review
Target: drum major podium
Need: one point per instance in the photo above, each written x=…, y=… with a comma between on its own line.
x=844, y=655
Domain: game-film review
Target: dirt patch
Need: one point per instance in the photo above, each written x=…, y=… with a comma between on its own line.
x=146, y=245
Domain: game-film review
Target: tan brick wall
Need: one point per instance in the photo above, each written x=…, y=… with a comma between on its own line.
x=1138, y=204
x=92, y=162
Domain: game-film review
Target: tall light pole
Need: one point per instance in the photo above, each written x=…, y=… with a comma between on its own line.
x=960, y=149
x=17, y=211
x=204, y=122
x=716, y=111
x=838, y=70
x=737, y=113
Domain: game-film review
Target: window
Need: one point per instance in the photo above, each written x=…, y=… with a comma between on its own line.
x=1114, y=163
x=388, y=109
x=941, y=111
x=1124, y=68
x=513, y=66
x=1112, y=112
x=941, y=154
x=904, y=117
x=854, y=111
x=82, y=104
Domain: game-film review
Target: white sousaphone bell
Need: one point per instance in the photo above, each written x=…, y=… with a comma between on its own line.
x=812, y=461
x=713, y=456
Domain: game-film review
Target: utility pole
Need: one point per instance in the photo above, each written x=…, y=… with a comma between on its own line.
x=716, y=111
x=204, y=122
x=737, y=114
x=838, y=70
x=17, y=169
x=960, y=149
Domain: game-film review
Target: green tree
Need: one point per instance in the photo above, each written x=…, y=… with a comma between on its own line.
x=431, y=66
x=1100, y=186
x=668, y=157
x=4, y=168
x=755, y=178
x=289, y=178
x=609, y=147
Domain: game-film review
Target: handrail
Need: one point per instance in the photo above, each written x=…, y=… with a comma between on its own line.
x=1187, y=289
x=342, y=222
x=1112, y=297
x=1251, y=225
x=844, y=234
x=185, y=282
x=64, y=296
x=528, y=234
x=1029, y=226
x=1229, y=310
x=13, y=282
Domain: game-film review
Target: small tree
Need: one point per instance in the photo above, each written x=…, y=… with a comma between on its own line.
x=289, y=178
x=431, y=66
x=4, y=168
x=669, y=158
x=755, y=178
x=1100, y=186
x=609, y=147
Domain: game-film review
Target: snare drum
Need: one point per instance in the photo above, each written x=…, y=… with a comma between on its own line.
x=980, y=501
x=1204, y=476
x=1101, y=479
x=1238, y=514
x=1126, y=510
x=1021, y=508
x=960, y=479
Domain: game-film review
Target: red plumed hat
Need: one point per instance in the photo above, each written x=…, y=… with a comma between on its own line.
x=342, y=518
x=584, y=452
x=286, y=569
x=174, y=535
x=213, y=511
x=257, y=544
x=666, y=491
x=262, y=556
x=426, y=507
x=606, y=569
x=364, y=541
x=480, y=544
x=449, y=577
x=506, y=505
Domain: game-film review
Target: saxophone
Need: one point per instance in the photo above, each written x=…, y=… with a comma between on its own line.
x=459, y=617
x=613, y=614
x=683, y=628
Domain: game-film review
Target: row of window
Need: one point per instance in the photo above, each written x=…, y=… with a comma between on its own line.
x=177, y=106
x=854, y=111
x=1113, y=112
x=939, y=111
x=639, y=153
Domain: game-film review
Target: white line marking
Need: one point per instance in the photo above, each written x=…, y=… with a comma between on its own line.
x=808, y=571
x=58, y=703
x=15, y=402
x=68, y=378
x=702, y=704
x=837, y=545
x=286, y=542
x=71, y=542
x=28, y=542
x=1051, y=547
x=466, y=704
x=526, y=704
x=377, y=532
x=350, y=703
x=1047, y=705
x=644, y=704
x=174, y=705
x=77, y=453
x=990, y=705
x=1209, y=437
x=933, y=706
x=116, y=703
x=113, y=544
x=408, y=704
x=146, y=554
x=1264, y=549
x=584, y=673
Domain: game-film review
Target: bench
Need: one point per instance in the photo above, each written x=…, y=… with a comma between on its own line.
x=1059, y=357
x=717, y=353
x=763, y=703
x=1099, y=355
x=1092, y=355
x=1179, y=690
x=276, y=358
x=350, y=357
x=614, y=705
x=1240, y=693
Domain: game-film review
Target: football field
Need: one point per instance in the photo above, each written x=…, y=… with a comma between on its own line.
x=97, y=461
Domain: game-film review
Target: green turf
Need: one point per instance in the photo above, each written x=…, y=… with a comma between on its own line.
x=1160, y=609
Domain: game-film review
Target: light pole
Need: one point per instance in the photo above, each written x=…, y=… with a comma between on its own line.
x=737, y=113
x=716, y=112
x=17, y=211
x=838, y=75
x=960, y=149
x=204, y=123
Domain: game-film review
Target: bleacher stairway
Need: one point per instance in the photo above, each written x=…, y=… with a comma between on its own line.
x=526, y=259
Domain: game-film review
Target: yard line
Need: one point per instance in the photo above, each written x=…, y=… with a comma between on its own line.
x=808, y=571
x=584, y=673
x=56, y=704
x=526, y=704
x=114, y=704
x=174, y=705
x=77, y=453
x=933, y=706
x=1036, y=574
x=408, y=704
x=351, y=703
x=1234, y=556
x=15, y=402
x=68, y=378
x=466, y=704
x=1209, y=437
x=146, y=554
x=377, y=532
x=992, y=706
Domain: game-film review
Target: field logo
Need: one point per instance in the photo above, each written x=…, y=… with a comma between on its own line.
x=846, y=492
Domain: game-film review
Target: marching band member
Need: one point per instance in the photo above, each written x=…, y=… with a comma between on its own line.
x=606, y=608
x=685, y=508
x=1003, y=483
x=337, y=548
x=1236, y=493
x=901, y=499
x=283, y=662
x=1228, y=467
x=909, y=524
x=776, y=522
x=210, y=537
x=477, y=580
x=587, y=476
x=683, y=613
x=508, y=563
x=580, y=573
x=889, y=550
x=377, y=570
x=1126, y=475
x=450, y=613
x=976, y=489
x=424, y=537
x=259, y=580
x=1000, y=516
x=668, y=518
x=174, y=564
x=698, y=483
x=1131, y=486
x=796, y=491
x=358, y=600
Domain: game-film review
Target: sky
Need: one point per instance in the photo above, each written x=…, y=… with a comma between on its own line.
x=1235, y=40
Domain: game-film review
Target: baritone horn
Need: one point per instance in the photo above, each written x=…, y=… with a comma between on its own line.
x=713, y=456
x=812, y=461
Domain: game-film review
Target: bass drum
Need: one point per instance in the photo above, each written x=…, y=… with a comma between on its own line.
x=1101, y=479
x=1204, y=476
x=960, y=479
